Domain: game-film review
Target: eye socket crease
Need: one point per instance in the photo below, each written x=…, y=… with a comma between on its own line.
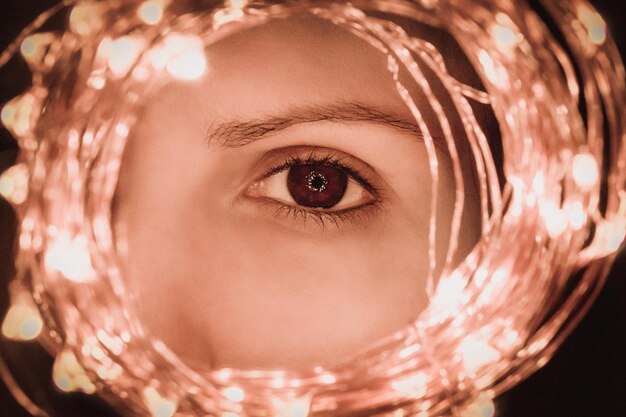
x=237, y=134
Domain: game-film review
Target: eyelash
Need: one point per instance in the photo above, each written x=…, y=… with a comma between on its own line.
x=325, y=217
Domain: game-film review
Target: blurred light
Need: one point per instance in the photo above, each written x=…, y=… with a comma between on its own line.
x=482, y=407
x=414, y=386
x=449, y=295
x=476, y=353
x=158, y=405
x=69, y=376
x=234, y=394
x=16, y=114
x=328, y=379
x=291, y=407
x=225, y=16
x=188, y=66
x=593, y=23
x=86, y=18
x=585, y=171
x=577, y=215
x=150, y=12
x=70, y=256
x=505, y=33
x=23, y=321
x=554, y=219
x=122, y=54
x=496, y=74
x=14, y=184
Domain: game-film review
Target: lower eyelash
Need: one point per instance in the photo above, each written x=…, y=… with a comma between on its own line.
x=357, y=215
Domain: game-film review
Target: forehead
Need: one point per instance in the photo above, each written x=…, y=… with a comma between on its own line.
x=286, y=63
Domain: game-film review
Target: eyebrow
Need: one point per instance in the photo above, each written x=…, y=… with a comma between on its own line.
x=236, y=134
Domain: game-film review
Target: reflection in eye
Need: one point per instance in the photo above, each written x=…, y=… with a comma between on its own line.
x=325, y=186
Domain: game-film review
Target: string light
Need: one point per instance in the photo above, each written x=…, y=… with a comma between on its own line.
x=480, y=327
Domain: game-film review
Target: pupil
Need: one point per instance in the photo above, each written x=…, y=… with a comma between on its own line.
x=317, y=182
x=317, y=185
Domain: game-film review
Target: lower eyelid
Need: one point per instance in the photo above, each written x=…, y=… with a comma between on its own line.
x=358, y=216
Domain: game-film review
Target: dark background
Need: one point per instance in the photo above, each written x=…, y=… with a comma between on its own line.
x=586, y=378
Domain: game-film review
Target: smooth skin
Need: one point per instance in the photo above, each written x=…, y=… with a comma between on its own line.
x=224, y=275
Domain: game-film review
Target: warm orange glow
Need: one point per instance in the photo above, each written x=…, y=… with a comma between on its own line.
x=62, y=240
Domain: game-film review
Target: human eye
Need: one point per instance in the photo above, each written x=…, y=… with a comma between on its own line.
x=321, y=184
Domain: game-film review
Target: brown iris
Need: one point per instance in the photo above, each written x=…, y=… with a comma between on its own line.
x=317, y=185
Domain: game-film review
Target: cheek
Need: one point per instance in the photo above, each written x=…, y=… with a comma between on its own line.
x=254, y=294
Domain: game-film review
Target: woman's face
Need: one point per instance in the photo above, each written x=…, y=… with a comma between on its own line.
x=276, y=212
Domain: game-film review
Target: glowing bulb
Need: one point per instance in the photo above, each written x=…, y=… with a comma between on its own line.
x=554, y=219
x=497, y=75
x=505, y=33
x=86, y=19
x=414, y=386
x=449, y=296
x=123, y=53
x=328, y=379
x=234, y=394
x=14, y=184
x=225, y=16
x=291, y=407
x=22, y=322
x=70, y=256
x=585, y=171
x=476, y=353
x=39, y=50
x=150, y=12
x=16, y=114
x=187, y=60
x=539, y=184
x=69, y=376
x=594, y=24
x=158, y=405
x=33, y=48
x=576, y=215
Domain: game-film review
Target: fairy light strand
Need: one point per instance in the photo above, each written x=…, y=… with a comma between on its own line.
x=473, y=341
